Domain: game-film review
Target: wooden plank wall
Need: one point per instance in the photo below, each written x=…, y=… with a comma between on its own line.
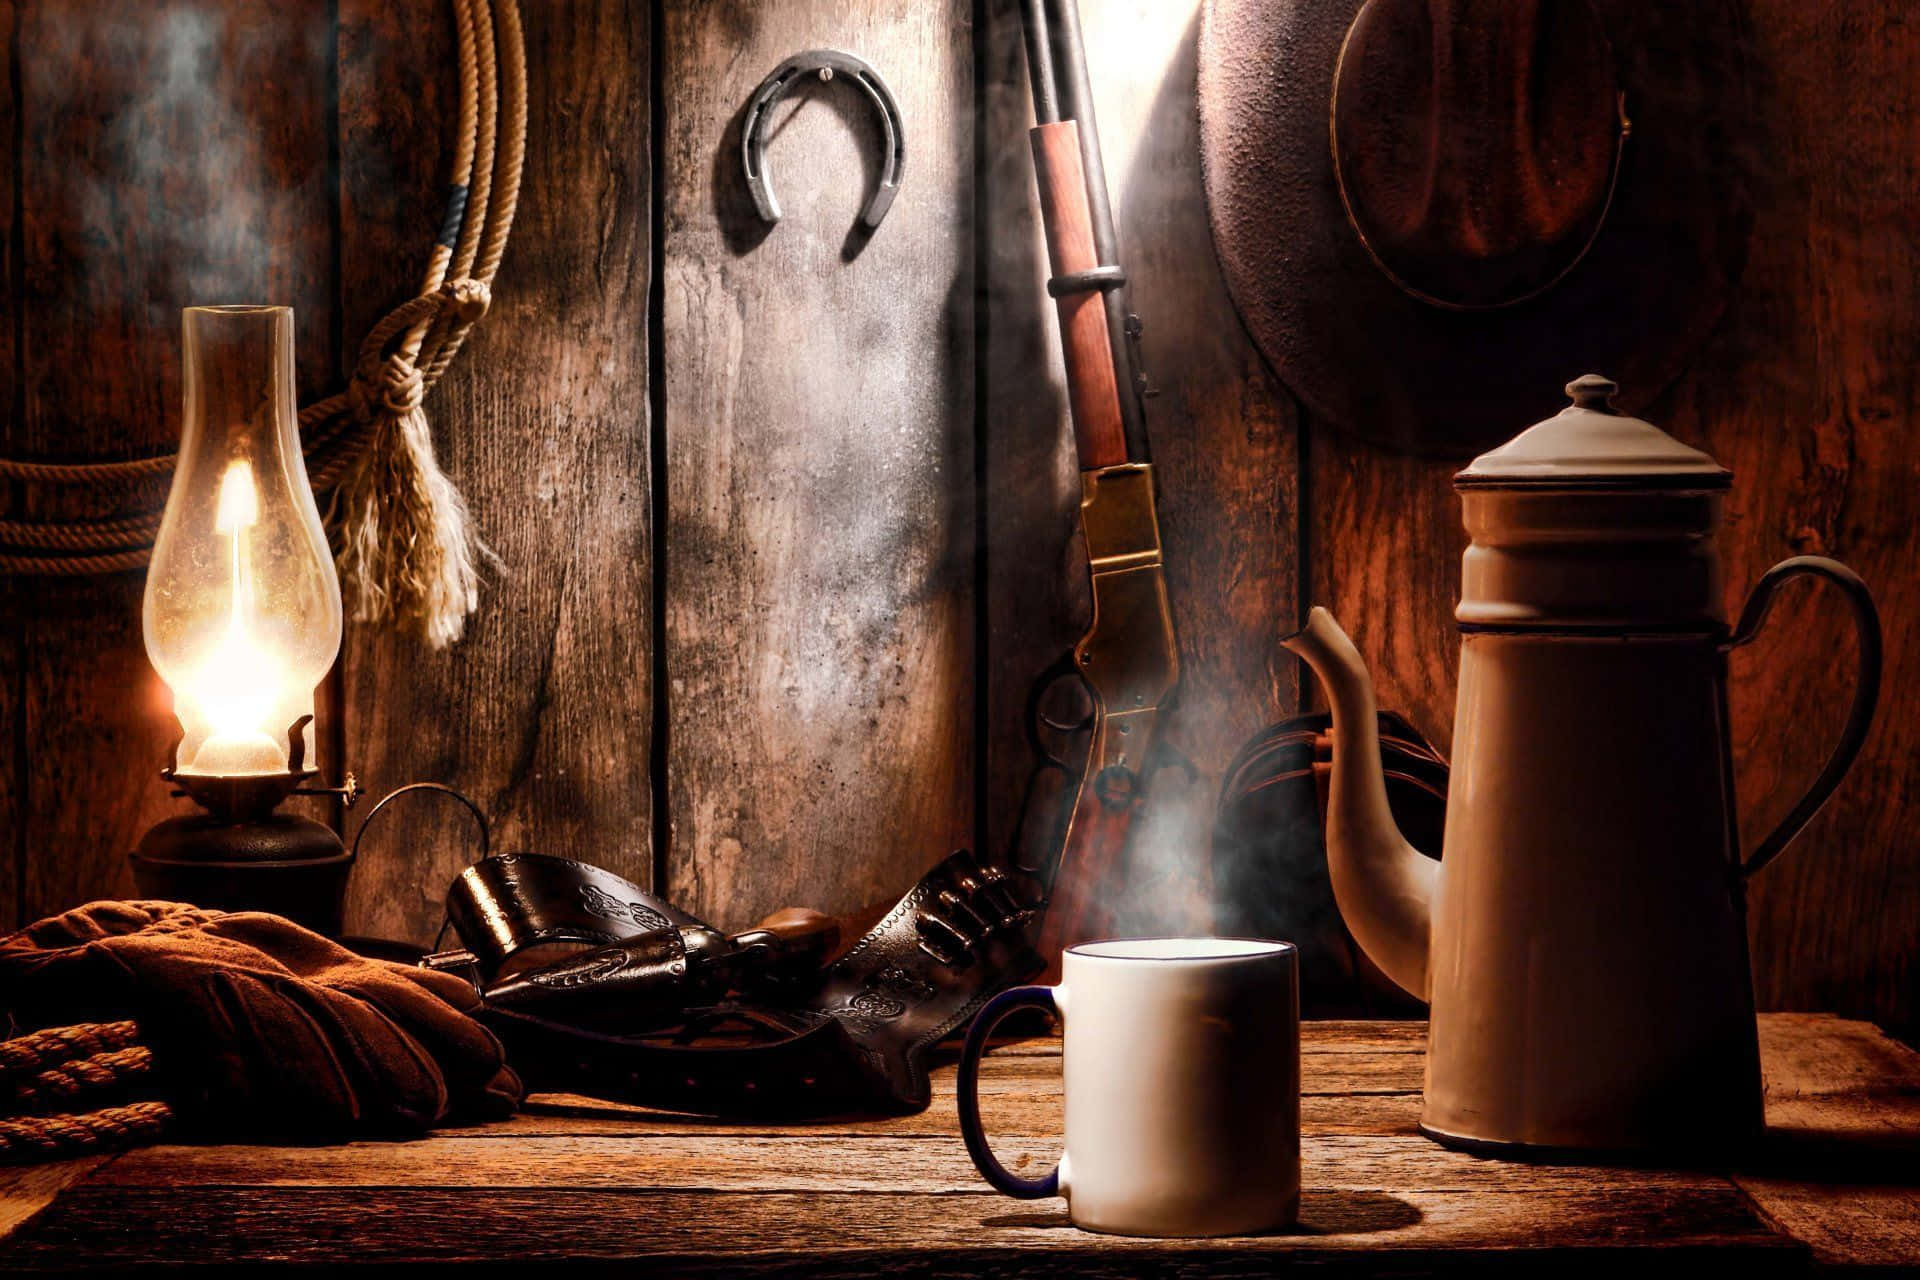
x=814, y=665
x=1810, y=392
x=819, y=445
x=13, y=592
x=542, y=714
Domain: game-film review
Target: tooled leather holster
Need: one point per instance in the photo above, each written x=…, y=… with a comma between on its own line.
x=596, y=986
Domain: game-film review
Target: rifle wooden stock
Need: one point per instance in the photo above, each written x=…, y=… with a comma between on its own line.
x=1093, y=390
x=1096, y=835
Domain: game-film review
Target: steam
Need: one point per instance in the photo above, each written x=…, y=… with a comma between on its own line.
x=165, y=187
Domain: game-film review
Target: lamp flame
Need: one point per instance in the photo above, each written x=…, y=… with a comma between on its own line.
x=235, y=688
x=242, y=610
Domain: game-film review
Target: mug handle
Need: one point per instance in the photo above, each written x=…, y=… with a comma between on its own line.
x=997, y=1174
x=1866, y=689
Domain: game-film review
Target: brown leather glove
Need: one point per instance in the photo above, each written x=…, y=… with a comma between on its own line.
x=260, y=1027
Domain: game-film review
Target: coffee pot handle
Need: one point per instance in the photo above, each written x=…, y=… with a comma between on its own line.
x=1866, y=689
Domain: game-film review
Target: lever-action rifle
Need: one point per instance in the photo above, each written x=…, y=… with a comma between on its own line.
x=1127, y=662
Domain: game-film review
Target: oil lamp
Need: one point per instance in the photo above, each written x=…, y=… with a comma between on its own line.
x=242, y=621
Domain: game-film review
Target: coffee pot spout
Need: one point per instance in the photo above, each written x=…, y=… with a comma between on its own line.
x=1384, y=886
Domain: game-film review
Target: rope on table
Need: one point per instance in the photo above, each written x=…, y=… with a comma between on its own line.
x=405, y=548
x=63, y=1092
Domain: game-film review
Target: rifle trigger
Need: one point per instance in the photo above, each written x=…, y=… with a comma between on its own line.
x=1117, y=786
x=1066, y=726
x=1060, y=669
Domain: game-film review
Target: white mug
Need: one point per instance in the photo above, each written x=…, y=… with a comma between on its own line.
x=1182, y=1064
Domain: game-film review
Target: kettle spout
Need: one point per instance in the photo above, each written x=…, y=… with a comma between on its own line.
x=1384, y=885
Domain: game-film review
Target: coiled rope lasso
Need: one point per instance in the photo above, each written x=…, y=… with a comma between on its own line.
x=403, y=543
x=68, y=1091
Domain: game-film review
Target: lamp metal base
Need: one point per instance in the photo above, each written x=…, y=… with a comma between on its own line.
x=278, y=862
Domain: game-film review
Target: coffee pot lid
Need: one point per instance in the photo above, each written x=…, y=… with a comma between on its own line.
x=1590, y=444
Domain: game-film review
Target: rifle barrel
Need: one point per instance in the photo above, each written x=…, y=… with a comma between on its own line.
x=1076, y=103
x=1046, y=96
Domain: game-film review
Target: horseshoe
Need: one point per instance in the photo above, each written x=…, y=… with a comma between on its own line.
x=825, y=63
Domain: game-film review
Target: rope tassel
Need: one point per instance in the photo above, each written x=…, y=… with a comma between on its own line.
x=406, y=548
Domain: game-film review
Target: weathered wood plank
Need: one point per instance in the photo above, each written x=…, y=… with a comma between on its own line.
x=27, y=1189
x=1330, y=1074
x=808, y=1163
x=154, y=175
x=13, y=591
x=1808, y=392
x=1027, y=1113
x=1656, y=1231
x=1349, y=1036
x=541, y=712
x=1843, y=1130
x=1223, y=444
x=1820, y=1055
x=889, y=1195
x=819, y=437
x=1384, y=543
x=1846, y=1225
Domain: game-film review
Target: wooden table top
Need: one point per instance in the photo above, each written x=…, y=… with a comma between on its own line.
x=582, y=1181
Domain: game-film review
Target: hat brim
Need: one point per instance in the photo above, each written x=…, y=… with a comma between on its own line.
x=1369, y=357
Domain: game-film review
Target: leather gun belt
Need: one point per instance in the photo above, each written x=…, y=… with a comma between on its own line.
x=596, y=986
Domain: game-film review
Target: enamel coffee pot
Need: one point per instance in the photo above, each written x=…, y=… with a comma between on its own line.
x=1583, y=943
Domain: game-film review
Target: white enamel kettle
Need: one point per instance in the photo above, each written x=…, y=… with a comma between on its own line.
x=1583, y=941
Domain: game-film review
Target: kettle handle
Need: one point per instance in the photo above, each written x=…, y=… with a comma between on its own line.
x=1866, y=689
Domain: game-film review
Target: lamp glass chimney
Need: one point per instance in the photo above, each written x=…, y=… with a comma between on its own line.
x=242, y=608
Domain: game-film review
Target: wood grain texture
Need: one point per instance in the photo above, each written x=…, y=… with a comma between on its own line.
x=153, y=175
x=541, y=713
x=1843, y=1129
x=819, y=443
x=596, y=1183
x=1223, y=445
x=1572, y=1231
x=27, y=1189
x=1808, y=392
x=13, y=592
x=1031, y=1111
x=826, y=1164
x=1384, y=542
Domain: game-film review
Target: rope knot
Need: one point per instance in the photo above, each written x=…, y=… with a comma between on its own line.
x=392, y=388
x=470, y=298
x=400, y=384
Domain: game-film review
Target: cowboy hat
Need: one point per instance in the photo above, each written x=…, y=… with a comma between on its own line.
x=1429, y=211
